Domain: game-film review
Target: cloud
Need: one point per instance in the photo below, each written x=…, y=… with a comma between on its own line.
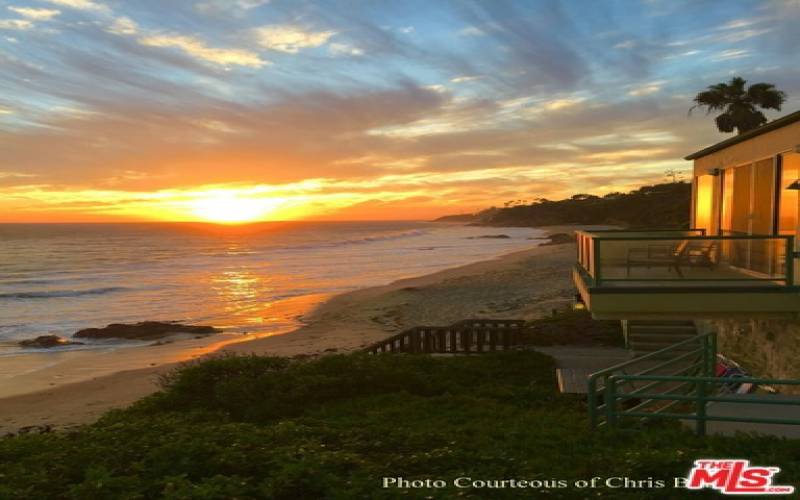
x=471, y=31
x=79, y=4
x=646, y=89
x=35, y=14
x=19, y=175
x=344, y=49
x=135, y=99
x=558, y=104
x=198, y=49
x=238, y=7
x=15, y=24
x=625, y=154
x=726, y=55
x=123, y=26
x=465, y=78
x=291, y=38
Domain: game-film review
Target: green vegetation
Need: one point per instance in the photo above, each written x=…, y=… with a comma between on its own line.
x=659, y=206
x=738, y=106
x=260, y=427
x=576, y=328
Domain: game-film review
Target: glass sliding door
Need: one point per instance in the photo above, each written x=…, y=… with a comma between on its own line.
x=737, y=190
x=726, y=220
x=704, y=213
x=740, y=210
x=789, y=201
x=762, y=216
x=748, y=208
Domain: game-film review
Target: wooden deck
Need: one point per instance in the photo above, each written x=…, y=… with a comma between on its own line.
x=618, y=275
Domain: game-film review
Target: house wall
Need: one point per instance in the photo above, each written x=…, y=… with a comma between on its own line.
x=762, y=146
x=765, y=348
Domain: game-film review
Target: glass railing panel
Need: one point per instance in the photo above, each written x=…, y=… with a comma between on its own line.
x=692, y=260
x=654, y=233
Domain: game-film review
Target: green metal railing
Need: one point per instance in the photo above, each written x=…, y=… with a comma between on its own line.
x=686, y=378
x=699, y=398
x=695, y=356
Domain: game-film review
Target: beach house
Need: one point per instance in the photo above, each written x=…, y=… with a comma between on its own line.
x=734, y=272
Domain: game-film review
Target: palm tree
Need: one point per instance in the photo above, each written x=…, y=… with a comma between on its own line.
x=739, y=105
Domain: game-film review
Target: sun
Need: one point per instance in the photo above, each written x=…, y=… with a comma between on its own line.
x=232, y=208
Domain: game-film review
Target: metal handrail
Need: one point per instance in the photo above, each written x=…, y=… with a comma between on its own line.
x=707, y=351
x=687, y=237
x=700, y=396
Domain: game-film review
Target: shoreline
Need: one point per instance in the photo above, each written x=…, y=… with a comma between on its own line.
x=342, y=323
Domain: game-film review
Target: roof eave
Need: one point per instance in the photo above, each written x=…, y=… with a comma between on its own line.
x=773, y=125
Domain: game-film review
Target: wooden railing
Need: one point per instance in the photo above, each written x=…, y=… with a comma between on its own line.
x=468, y=336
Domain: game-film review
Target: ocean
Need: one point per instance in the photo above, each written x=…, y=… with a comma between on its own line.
x=59, y=278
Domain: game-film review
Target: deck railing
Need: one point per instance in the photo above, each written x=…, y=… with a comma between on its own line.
x=703, y=390
x=677, y=383
x=684, y=258
x=468, y=336
x=695, y=356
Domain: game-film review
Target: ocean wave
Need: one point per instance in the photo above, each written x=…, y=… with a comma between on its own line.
x=360, y=241
x=60, y=293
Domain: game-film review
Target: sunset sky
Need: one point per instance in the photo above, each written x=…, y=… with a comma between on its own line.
x=254, y=109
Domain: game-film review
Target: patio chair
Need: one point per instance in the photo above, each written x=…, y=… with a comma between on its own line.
x=686, y=253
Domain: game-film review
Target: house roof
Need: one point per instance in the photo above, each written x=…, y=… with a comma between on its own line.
x=774, y=124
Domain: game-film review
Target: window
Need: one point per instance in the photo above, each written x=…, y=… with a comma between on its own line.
x=763, y=197
x=748, y=202
x=788, y=201
x=727, y=201
x=739, y=219
x=704, y=204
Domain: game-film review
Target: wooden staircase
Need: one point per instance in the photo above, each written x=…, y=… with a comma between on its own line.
x=465, y=337
x=646, y=336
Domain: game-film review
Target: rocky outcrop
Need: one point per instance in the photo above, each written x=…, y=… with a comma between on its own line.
x=560, y=239
x=490, y=237
x=145, y=330
x=46, y=341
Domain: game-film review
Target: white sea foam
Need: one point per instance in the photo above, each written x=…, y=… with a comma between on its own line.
x=56, y=279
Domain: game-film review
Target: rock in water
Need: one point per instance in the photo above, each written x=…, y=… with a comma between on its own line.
x=490, y=237
x=48, y=341
x=560, y=239
x=145, y=330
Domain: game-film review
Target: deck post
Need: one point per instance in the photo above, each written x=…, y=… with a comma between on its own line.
x=610, y=401
x=592, y=402
x=700, y=412
x=789, y=261
x=596, y=260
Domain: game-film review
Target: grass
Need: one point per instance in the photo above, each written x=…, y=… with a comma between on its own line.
x=260, y=427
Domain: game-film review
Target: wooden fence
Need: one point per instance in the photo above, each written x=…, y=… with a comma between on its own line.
x=468, y=336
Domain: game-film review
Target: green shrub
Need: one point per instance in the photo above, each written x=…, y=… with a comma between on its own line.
x=267, y=428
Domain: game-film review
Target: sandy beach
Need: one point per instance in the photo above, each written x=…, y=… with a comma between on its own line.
x=523, y=285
